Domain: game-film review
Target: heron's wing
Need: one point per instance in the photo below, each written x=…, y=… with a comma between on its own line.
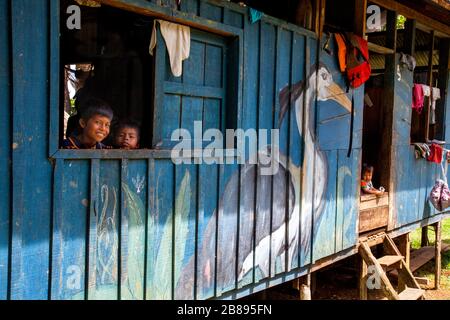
x=288, y=96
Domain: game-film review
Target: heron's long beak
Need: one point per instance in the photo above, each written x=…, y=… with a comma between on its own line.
x=338, y=95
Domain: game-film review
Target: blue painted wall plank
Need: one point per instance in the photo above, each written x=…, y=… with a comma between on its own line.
x=248, y=172
x=5, y=145
x=295, y=141
x=134, y=201
x=185, y=231
x=31, y=206
x=206, y=240
x=71, y=209
x=227, y=228
x=281, y=183
x=160, y=230
x=194, y=67
x=190, y=6
x=233, y=18
x=210, y=11
x=325, y=227
x=105, y=274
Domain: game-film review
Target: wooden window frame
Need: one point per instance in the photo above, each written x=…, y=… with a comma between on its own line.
x=142, y=7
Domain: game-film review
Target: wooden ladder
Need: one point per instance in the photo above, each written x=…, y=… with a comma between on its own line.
x=408, y=288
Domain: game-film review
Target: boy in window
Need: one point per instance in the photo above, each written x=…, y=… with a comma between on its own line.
x=127, y=135
x=95, y=121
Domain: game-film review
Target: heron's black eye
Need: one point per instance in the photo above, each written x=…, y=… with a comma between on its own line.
x=324, y=76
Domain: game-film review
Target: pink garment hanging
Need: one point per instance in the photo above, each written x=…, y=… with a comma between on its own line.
x=417, y=98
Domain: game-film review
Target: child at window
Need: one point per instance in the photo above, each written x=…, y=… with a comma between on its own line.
x=366, y=182
x=95, y=121
x=127, y=135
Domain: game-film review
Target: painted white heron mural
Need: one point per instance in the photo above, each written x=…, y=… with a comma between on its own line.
x=282, y=230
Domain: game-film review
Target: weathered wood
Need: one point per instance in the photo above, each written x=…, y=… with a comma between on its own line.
x=430, y=84
x=409, y=41
x=437, y=255
x=404, y=247
x=389, y=260
x=386, y=285
x=424, y=282
x=388, y=169
x=411, y=294
x=424, y=237
x=32, y=172
x=379, y=49
x=371, y=219
x=363, y=280
x=374, y=203
x=421, y=256
x=359, y=26
x=5, y=145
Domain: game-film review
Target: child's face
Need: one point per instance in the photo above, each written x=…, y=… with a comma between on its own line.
x=127, y=138
x=96, y=129
x=367, y=175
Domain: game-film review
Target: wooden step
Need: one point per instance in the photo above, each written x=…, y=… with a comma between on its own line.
x=411, y=294
x=387, y=261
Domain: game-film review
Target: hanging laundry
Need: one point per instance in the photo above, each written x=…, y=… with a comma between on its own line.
x=178, y=43
x=426, y=90
x=417, y=98
x=435, y=153
x=408, y=61
x=421, y=150
x=255, y=15
x=435, y=95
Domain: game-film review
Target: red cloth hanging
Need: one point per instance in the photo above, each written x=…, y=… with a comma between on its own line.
x=417, y=98
x=435, y=153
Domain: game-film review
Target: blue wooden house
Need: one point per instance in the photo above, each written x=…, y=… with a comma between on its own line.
x=121, y=224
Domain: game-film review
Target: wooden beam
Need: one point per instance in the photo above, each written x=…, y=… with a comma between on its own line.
x=379, y=49
x=359, y=27
x=413, y=14
x=437, y=255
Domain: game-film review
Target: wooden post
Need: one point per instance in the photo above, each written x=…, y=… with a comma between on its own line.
x=437, y=255
x=363, y=280
x=404, y=248
x=424, y=240
x=304, y=286
x=359, y=26
x=410, y=37
x=430, y=84
x=388, y=170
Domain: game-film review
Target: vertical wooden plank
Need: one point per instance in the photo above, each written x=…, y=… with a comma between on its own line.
x=233, y=18
x=227, y=228
x=360, y=17
x=185, y=231
x=213, y=66
x=325, y=236
x=159, y=271
x=306, y=213
x=194, y=67
x=351, y=195
x=295, y=142
x=265, y=121
x=206, y=240
x=54, y=134
x=281, y=183
x=210, y=11
x=71, y=209
x=104, y=266
x=437, y=255
x=443, y=84
x=190, y=6
x=5, y=144
x=134, y=201
x=31, y=201
x=248, y=173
